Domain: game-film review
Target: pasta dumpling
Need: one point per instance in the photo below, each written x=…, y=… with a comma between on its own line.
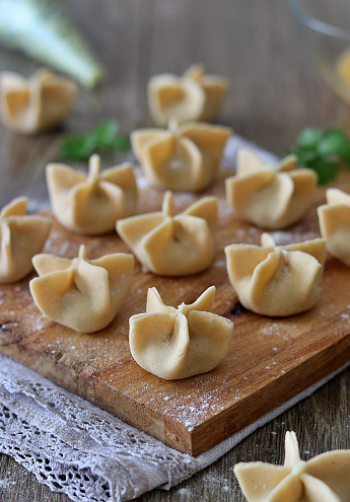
x=194, y=96
x=276, y=281
x=90, y=204
x=84, y=295
x=334, y=219
x=270, y=197
x=21, y=237
x=173, y=245
x=184, y=158
x=323, y=478
x=175, y=343
x=41, y=102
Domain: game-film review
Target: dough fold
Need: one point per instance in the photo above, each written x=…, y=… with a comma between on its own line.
x=270, y=197
x=178, y=343
x=276, y=281
x=324, y=478
x=192, y=97
x=80, y=294
x=183, y=158
x=91, y=204
x=21, y=237
x=334, y=220
x=173, y=245
x=41, y=102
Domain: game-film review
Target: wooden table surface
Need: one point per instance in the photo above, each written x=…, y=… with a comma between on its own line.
x=274, y=93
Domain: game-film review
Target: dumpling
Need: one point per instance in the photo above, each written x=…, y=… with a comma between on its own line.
x=276, y=281
x=84, y=295
x=182, y=158
x=21, y=237
x=270, y=197
x=41, y=102
x=194, y=96
x=173, y=245
x=175, y=343
x=215, y=88
x=324, y=478
x=334, y=219
x=91, y=204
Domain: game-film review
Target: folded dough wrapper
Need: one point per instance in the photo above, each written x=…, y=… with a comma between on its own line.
x=178, y=343
x=21, y=237
x=334, y=220
x=194, y=96
x=276, y=281
x=173, y=245
x=270, y=197
x=324, y=478
x=31, y=105
x=183, y=158
x=91, y=204
x=84, y=295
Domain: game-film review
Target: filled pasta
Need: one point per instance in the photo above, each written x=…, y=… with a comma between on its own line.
x=21, y=237
x=84, y=295
x=194, y=96
x=276, y=281
x=322, y=478
x=267, y=196
x=334, y=220
x=184, y=158
x=172, y=245
x=32, y=105
x=175, y=343
x=91, y=204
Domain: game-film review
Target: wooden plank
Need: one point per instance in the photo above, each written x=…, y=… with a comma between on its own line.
x=270, y=359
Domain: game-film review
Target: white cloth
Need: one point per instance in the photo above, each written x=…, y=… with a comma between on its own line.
x=78, y=449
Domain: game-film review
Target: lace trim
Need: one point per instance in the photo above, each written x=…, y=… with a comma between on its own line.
x=76, y=448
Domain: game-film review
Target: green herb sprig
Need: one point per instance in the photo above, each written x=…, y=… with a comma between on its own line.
x=322, y=151
x=101, y=139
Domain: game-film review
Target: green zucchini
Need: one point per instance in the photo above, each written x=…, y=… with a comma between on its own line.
x=39, y=29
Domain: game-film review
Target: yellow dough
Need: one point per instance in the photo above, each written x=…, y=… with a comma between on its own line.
x=175, y=343
x=21, y=237
x=276, y=281
x=324, y=478
x=91, y=204
x=41, y=102
x=270, y=197
x=80, y=294
x=334, y=219
x=173, y=245
x=184, y=158
x=194, y=96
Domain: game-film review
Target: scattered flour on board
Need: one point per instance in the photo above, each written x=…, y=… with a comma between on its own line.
x=282, y=238
x=64, y=248
x=5, y=483
x=183, y=492
x=142, y=183
x=219, y=264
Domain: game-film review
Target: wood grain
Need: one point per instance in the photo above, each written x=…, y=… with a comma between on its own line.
x=270, y=359
x=274, y=94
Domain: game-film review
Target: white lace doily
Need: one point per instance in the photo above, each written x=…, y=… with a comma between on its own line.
x=91, y=456
x=78, y=449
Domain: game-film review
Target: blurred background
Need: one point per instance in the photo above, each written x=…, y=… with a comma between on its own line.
x=275, y=89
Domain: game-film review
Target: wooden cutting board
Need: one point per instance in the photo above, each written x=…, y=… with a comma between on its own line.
x=270, y=360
